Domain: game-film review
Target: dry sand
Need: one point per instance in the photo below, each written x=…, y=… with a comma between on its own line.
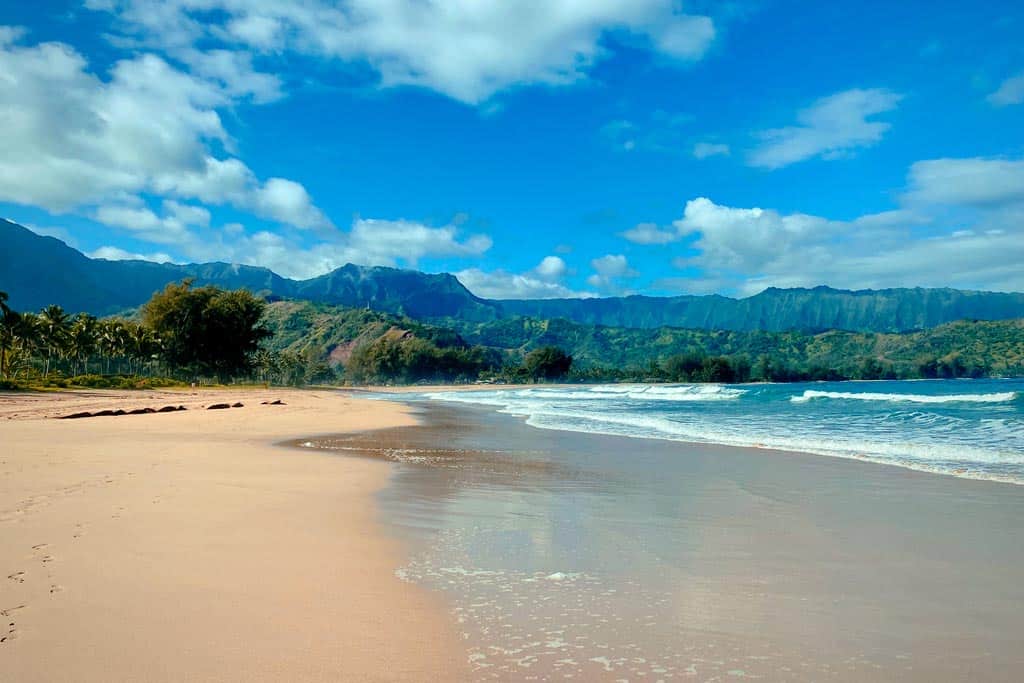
x=187, y=546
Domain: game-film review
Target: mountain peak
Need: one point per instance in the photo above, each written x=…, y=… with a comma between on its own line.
x=37, y=270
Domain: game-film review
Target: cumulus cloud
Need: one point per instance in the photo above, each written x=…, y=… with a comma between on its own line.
x=1011, y=91
x=501, y=284
x=173, y=227
x=612, y=265
x=468, y=51
x=368, y=242
x=543, y=281
x=830, y=128
x=974, y=181
x=551, y=268
x=745, y=250
x=609, y=271
x=118, y=254
x=71, y=139
x=386, y=242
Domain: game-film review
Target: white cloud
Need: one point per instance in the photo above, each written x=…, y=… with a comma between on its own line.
x=543, y=281
x=466, y=50
x=1011, y=91
x=551, y=268
x=287, y=201
x=612, y=265
x=118, y=254
x=745, y=250
x=974, y=182
x=385, y=242
x=650, y=233
x=189, y=214
x=70, y=139
x=610, y=270
x=171, y=228
x=500, y=284
x=234, y=73
x=830, y=128
x=703, y=150
x=368, y=242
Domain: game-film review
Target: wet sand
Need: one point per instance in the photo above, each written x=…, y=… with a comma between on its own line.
x=601, y=558
x=186, y=546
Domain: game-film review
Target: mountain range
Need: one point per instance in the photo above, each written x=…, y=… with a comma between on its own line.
x=37, y=270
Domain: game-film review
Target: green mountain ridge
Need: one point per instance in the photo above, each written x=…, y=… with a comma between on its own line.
x=37, y=271
x=330, y=334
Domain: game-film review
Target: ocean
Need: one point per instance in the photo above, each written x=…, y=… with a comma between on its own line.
x=621, y=533
x=966, y=428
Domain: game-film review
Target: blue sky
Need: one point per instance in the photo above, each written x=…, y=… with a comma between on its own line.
x=565, y=148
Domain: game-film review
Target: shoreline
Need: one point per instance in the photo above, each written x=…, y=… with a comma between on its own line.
x=190, y=545
x=400, y=393
x=738, y=562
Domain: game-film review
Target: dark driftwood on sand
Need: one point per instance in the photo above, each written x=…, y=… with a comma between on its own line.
x=117, y=413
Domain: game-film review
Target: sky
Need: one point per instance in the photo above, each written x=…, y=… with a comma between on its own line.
x=565, y=148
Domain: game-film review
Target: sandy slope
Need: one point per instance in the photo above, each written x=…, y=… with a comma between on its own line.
x=185, y=546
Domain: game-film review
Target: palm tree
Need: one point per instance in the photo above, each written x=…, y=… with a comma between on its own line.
x=111, y=340
x=82, y=340
x=55, y=324
x=27, y=341
x=142, y=344
x=18, y=337
x=10, y=323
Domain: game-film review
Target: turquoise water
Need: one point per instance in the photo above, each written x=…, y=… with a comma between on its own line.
x=966, y=428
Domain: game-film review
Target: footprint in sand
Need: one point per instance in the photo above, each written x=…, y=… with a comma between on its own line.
x=56, y=588
x=10, y=631
x=17, y=577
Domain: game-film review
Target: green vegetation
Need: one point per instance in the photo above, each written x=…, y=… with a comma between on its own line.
x=318, y=333
x=185, y=334
x=206, y=330
x=959, y=349
x=361, y=346
x=208, y=334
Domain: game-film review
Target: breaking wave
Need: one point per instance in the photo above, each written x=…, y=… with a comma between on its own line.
x=1001, y=397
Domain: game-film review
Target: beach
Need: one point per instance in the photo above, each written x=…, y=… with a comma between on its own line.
x=337, y=536
x=188, y=546
x=566, y=554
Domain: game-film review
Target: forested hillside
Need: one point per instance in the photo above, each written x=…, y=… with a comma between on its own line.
x=966, y=348
x=38, y=271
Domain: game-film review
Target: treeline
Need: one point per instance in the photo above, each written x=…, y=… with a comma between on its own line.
x=361, y=346
x=410, y=360
x=206, y=334
x=959, y=349
x=695, y=366
x=183, y=334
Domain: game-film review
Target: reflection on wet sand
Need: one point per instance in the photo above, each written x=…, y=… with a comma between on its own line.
x=575, y=556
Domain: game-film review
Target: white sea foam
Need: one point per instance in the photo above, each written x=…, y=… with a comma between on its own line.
x=975, y=435
x=1000, y=397
x=976, y=462
x=604, y=392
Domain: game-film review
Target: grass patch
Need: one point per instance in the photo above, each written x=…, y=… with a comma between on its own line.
x=89, y=382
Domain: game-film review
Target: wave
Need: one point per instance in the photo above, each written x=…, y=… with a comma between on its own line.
x=636, y=392
x=1000, y=397
x=957, y=459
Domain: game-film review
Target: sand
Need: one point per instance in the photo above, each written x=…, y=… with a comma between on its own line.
x=187, y=546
